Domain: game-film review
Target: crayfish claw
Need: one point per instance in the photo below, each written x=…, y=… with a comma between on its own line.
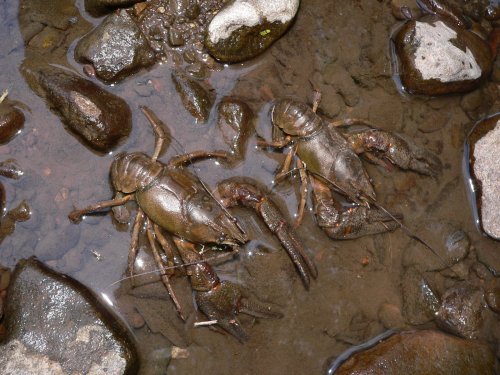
x=222, y=303
x=244, y=192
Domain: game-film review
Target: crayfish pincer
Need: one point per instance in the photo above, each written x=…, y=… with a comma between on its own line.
x=327, y=156
x=172, y=200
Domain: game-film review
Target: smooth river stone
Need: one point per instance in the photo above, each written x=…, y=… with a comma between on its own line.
x=100, y=118
x=436, y=58
x=245, y=28
x=422, y=353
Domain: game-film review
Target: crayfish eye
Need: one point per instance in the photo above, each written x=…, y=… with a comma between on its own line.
x=222, y=238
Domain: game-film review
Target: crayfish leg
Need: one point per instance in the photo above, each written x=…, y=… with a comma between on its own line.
x=343, y=224
x=159, y=262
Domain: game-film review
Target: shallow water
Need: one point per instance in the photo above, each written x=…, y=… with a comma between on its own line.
x=342, y=47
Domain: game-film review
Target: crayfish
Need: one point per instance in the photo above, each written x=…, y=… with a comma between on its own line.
x=172, y=200
x=327, y=156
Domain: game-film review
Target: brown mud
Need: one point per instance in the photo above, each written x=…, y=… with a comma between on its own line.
x=342, y=47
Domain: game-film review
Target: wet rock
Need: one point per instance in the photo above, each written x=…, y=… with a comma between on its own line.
x=461, y=311
x=420, y=303
x=19, y=213
x=116, y=48
x=56, y=326
x=175, y=37
x=98, y=117
x=10, y=169
x=99, y=7
x=48, y=31
x=486, y=154
x=450, y=243
x=422, y=353
x=11, y=121
x=185, y=8
x=245, y=28
x=235, y=124
x=436, y=57
x=194, y=96
x=492, y=295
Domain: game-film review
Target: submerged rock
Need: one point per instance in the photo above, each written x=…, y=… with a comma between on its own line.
x=100, y=118
x=420, y=302
x=421, y=353
x=54, y=325
x=235, y=124
x=116, y=48
x=449, y=242
x=436, y=57
x=245, y=28
x=461, y=311
x=11, y=121
x=194, y=96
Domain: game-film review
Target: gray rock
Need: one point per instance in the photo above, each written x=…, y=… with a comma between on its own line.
x=245, y=28
x=100, y=118
x=461, y=311
x=422, y=353
x=116, y=48
x=55, y=326
x=486, y=156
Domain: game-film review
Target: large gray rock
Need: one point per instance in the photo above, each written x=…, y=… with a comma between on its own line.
x=116, y=48
x=55, y=326
x=100, y=118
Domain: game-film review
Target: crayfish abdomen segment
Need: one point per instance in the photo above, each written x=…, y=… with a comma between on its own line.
x=295, y=118
x=134, y=171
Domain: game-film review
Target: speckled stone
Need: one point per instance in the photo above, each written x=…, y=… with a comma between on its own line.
x=55, y=326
